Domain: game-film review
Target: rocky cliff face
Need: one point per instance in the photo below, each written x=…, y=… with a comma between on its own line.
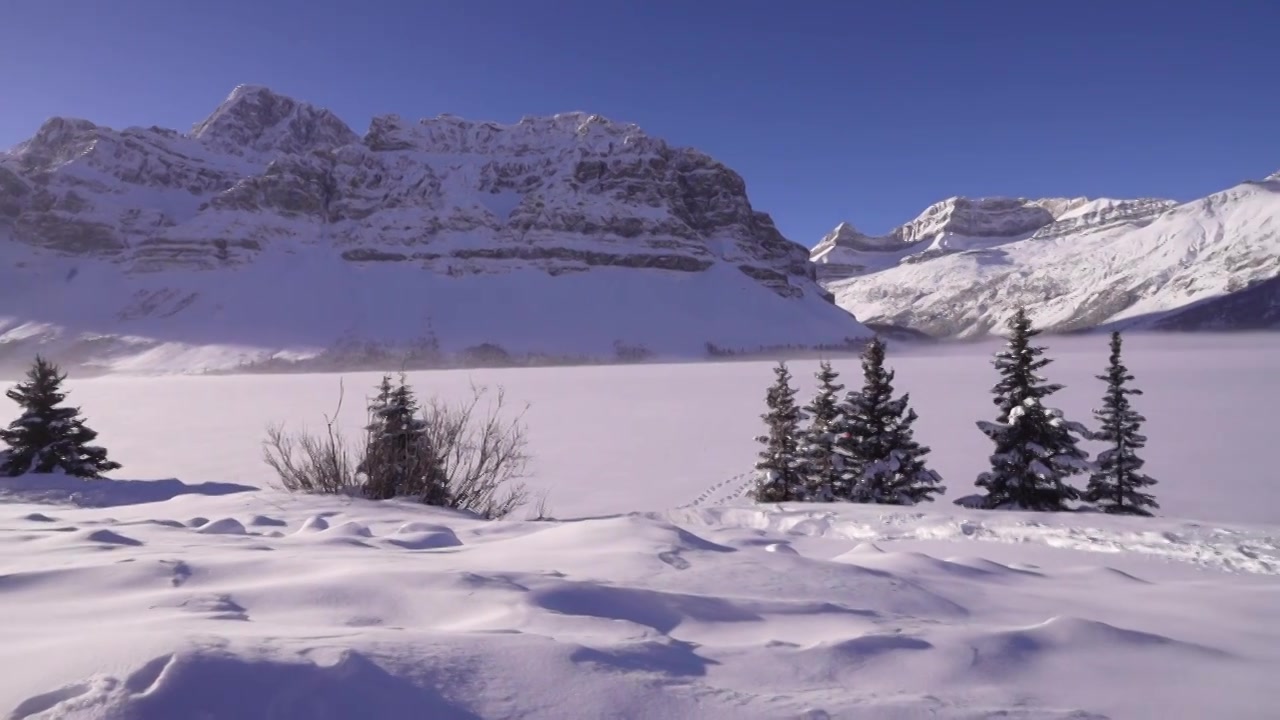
x=563, y=194
x=963, y=266
x=269, y=181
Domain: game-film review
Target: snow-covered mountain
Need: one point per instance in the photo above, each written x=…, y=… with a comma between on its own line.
x=272, y=230
x=963, y=266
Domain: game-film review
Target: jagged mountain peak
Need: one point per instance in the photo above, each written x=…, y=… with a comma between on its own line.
x=255, y=118
x=59, y=140
x=569, y=235
x=844, y=234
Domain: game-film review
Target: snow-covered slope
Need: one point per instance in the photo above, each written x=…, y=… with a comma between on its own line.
x=963, y=266
x=273, y=230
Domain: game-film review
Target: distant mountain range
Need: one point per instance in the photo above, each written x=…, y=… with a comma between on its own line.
x=272, y=234
x=963, y=266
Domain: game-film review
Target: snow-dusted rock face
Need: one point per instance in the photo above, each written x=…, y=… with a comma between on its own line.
x=964, y=266
x=563, y=193
x=959, y=224
x=255, y=120
x=984, y=217
x=186, y=224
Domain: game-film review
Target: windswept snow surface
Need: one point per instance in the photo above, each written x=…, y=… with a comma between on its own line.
x=657, y=593
x=262, y=605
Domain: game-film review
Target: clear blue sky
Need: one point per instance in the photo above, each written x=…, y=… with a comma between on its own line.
x=831, y=109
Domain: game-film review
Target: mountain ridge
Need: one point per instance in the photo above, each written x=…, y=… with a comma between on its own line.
x=636, y=233
x=1143, y=264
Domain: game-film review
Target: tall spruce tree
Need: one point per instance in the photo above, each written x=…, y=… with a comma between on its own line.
x=779, y=469
x=399, y=460
x=821, y=465
x=1036, y=448
x=886, y=463
x=1116, y=482
x=47, y=437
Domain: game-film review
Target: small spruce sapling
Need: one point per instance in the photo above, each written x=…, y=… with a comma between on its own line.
x=47, y=437
x=1116, y=483
x=399, y=460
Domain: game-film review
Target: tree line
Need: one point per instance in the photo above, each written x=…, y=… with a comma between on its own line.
x=861, y=448
x=469, y=456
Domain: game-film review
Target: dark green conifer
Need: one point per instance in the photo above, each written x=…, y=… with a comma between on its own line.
x=884, y=462
x=1036, y=448
x=49, y=438
x=779, y=469
x=399, y=459
x=1116, y=483
x=821, y=465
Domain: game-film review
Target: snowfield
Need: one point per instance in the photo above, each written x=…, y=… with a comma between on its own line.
x=656, y=593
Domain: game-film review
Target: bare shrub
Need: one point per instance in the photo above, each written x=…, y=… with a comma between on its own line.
x=322, y=464
x=481, y=453
x=484, y=455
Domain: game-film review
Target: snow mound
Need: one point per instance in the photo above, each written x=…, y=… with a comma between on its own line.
x=315, y=523
x=226, y=685
x=424, y=536
x=223, y=526
x=1015, y=651
x=349, y=529
x=106, y=537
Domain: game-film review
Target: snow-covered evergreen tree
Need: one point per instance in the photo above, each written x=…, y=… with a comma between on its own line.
x=1036, y=448
x=1116, y=482
x=886, y=463
x=779, y=476
x=47, y=437
x=399, y=460
x=821, y=465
